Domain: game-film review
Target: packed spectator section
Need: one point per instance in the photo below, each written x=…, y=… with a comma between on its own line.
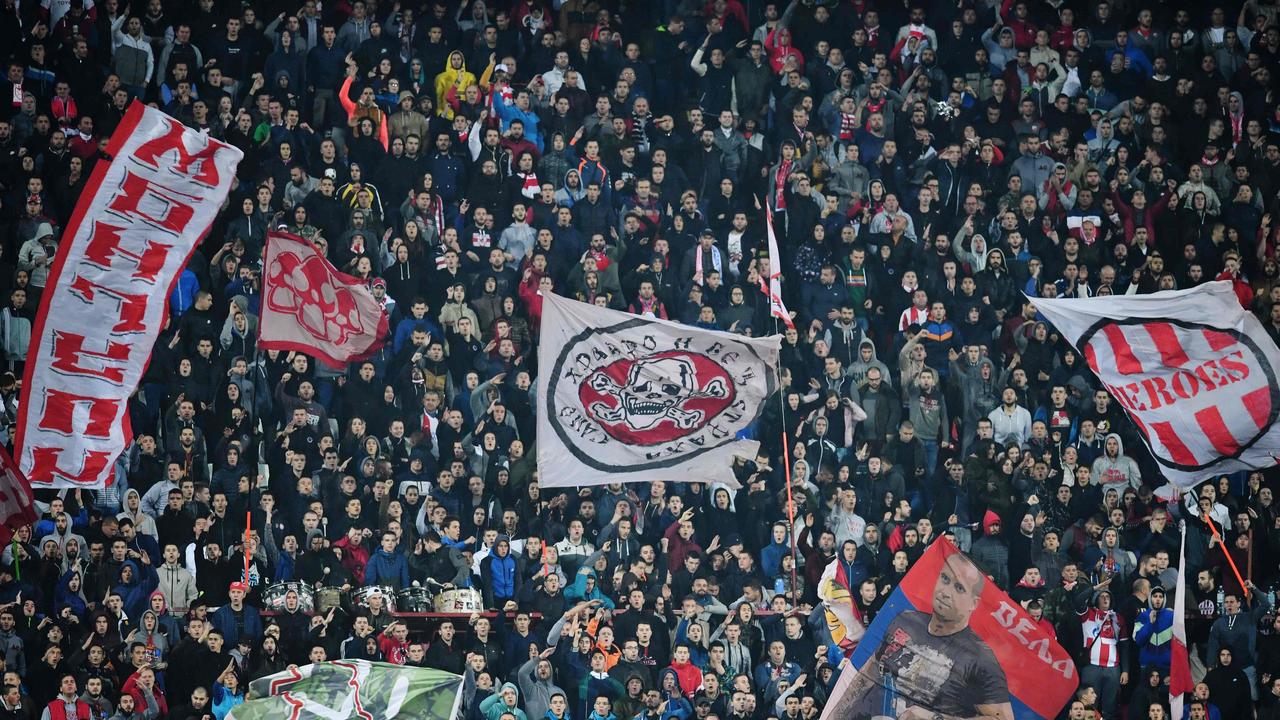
x=931, y=168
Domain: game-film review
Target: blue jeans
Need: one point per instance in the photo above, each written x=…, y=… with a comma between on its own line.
x=930, y=457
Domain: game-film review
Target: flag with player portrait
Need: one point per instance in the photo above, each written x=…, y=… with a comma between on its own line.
x=949, y=643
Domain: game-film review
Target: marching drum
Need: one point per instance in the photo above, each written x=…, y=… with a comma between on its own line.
x=414, y=600
x=326, y=598
x=461, y=600
x=387, y=593
x=273, y=596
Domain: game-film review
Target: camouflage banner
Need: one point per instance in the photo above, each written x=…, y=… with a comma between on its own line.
x=345, y=689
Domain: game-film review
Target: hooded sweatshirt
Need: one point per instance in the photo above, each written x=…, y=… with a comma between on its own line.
x=493, y=707
x=177, y=585
x=990, y=552
x=857, y=370
x=137, y=592
x=1113, y=471
x=537, y=692
x=452, y=83
x=1154, y=637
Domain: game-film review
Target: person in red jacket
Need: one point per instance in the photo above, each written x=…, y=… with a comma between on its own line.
x=1231, y=271
x=354, y=554
x=67, y=705
x=141, y=686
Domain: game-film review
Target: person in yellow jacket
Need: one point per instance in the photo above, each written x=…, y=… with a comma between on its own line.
x=451, y=83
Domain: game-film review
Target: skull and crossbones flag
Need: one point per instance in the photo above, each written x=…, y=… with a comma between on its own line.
x=629, y=399
x=310, y=307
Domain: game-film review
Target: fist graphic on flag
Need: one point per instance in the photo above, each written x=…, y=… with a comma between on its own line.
x=308, y=289
x=310, y=307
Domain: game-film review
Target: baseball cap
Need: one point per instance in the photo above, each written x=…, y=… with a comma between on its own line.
x=242, y=587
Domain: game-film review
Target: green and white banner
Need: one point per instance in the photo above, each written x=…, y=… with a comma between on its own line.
x=350, y=689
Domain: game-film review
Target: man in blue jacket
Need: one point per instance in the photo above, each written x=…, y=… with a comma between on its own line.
x=236, y=619
x=1153, y=632
x=388, y=566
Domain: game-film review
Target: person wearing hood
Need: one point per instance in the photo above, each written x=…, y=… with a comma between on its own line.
x=387, y=566
x=499, y=578
x=62, y=533
x=571, y=190
x=537, y=681
x=1153, y=632
x=452, y=83
x=668, y=701
x=990, y=551
x=586, y=584
x=771, y=555
x=69, y=594
x=505, y=700
x=135, y=583
x=1113, y=468
x=1107, y=646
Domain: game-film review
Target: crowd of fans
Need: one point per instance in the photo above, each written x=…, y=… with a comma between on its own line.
x=926, y=163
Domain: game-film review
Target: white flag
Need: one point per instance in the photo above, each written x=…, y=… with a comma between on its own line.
x=774, y=289
x=1194, y=370
x=136, y=223
x=627, y=399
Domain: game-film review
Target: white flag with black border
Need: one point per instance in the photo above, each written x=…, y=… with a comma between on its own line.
x=628, y=399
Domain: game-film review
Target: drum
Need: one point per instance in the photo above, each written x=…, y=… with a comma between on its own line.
x=388, y=595
x=273, y=596
x=461, y=600
x=414, y=600
x=326, y=598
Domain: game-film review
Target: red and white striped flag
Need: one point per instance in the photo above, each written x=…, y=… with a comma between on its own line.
x=1180, y=667
x=774, y=288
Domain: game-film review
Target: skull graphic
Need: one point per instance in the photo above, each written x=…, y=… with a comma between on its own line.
x=656, y=389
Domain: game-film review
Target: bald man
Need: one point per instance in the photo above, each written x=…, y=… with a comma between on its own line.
x=933, y=666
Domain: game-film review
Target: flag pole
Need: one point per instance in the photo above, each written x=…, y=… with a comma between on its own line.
x=1180, y=661
x=248, y=524
x=1222, y=545
x=778, y=310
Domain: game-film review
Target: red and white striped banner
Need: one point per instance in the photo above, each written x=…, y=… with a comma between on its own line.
x=1194, y=371
x=774, y=289
x=139, y=219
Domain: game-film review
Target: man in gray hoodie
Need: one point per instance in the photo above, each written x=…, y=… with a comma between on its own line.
x=980, y=387
x=537, y=682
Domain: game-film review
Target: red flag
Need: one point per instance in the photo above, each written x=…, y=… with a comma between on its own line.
x=16, y=503
x=310, y=307
x=1180, y=667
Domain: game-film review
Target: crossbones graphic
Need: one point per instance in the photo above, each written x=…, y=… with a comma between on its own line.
x=656, y=389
